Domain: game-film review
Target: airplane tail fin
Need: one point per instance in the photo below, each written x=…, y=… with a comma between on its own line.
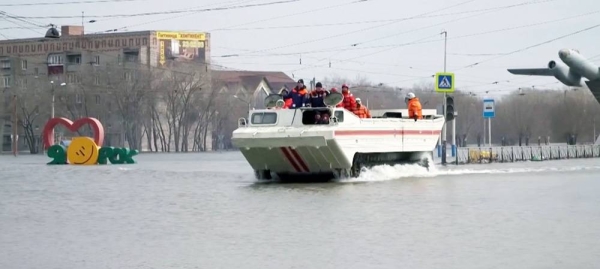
x=594, y=87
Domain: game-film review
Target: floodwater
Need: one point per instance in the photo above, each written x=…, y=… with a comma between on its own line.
x=207, y=211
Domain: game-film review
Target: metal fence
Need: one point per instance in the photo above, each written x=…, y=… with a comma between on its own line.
x=525, y=153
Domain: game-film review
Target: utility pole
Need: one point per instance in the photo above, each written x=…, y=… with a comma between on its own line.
x=444, y=103
x=52, y=109
x=15, y=127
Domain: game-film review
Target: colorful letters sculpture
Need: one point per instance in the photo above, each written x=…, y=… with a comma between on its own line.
x=84, y=150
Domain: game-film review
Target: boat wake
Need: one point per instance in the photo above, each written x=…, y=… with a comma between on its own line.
x=387, y=172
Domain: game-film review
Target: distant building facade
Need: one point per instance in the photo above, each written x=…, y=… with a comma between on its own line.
x=23, y=61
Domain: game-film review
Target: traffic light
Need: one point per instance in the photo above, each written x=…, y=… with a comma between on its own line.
x=449, y=108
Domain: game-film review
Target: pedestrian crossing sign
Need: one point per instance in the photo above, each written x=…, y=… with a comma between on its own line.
x=444, y=82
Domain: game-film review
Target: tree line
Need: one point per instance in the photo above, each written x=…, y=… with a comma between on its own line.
x=182, y=109
x=523, y=117
x=166, y=109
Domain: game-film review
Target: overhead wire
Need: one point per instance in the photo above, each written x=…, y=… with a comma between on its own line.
x=352, y=47
x=380, y=51
x=173, y=17
x=354, y=22
x=67, y=3
x=532, y=46
x=160, y=12
x=348, y=33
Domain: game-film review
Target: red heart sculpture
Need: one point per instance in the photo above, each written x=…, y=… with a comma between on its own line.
x=73, y=127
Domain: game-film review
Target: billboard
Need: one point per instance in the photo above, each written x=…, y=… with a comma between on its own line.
x=181, y=46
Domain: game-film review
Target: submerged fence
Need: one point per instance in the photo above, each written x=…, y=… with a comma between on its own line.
x=525, y=153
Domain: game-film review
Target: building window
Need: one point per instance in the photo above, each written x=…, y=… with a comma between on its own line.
x=128, y=76
x=131, y=56
x=96, y=60
x=24, y=64
x=73, y=78
x=6, y=64
x=119, y=59
x=55, y=59
x=23, y=83
x=6, y=82
x=36, y=71
x=78, y=98
x=74, y=59
x=96, y=80
x=97, y=99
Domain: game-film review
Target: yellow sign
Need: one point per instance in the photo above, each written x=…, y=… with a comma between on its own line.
x=181, y=36
x=192, y=44
x=162, y=60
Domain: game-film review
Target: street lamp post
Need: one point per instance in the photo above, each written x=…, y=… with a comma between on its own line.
x=53, y=102
x=249, y=105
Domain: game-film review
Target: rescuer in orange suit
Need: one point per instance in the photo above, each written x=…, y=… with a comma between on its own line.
x=414, y=106
x=361, y=110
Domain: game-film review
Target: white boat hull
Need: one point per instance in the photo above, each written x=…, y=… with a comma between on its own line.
x=290, y=148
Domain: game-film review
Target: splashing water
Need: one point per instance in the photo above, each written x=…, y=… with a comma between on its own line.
x=388, y=172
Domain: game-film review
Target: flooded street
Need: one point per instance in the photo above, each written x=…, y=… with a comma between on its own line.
x=207, y=211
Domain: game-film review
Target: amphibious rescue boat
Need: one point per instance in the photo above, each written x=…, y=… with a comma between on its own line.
x=291, y=144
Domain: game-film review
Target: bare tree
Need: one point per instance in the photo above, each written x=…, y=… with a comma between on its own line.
x=126, y=89
x=33, y=107
x=182, y=96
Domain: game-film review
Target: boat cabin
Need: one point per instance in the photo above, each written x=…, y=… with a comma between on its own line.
x=276, y=116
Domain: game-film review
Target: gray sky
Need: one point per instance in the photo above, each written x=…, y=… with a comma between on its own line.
x=367, y=37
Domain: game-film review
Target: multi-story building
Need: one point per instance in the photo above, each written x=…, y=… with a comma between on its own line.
x=35, y=68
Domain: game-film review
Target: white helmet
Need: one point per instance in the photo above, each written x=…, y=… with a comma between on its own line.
x=409, y=96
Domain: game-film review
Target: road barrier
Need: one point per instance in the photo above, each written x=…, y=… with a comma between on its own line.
x=525, y=153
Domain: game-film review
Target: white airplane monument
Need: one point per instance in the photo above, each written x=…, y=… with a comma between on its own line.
x=575, y=68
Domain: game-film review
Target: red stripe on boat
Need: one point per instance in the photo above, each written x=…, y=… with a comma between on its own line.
x=386, y=132
x=288, y=156
x=299, y=159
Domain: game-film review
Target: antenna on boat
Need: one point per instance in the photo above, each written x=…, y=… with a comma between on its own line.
x=274, y=100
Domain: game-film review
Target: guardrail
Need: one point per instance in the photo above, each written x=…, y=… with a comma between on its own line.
x=525, y=153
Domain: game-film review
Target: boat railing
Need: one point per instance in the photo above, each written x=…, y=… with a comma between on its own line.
x=242, y=122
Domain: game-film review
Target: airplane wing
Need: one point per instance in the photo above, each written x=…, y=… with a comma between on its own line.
x=594, y=86
x=532, y=71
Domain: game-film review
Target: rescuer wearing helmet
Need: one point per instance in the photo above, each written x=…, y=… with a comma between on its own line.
x=414, y=106
x=349, y=101
x=361, y=110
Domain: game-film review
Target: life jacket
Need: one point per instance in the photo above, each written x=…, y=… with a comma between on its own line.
x=362, y=112
x=316, y=98
x=299, y=98
x=349, y=102
x=414, y=108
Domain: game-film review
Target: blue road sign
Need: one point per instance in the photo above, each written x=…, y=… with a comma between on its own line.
x=444, y=82
x=489, y=108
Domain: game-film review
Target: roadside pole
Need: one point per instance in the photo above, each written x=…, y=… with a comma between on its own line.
x=15, y=136
x=489, y=111
x=490, y=131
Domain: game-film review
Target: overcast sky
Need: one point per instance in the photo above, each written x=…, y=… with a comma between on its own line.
x=395, y=42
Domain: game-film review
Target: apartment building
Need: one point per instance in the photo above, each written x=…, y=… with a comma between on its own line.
x=40, y=61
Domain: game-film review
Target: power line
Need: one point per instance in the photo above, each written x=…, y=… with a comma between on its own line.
x=180, y=16
x=352, y=32
x=532, y=46
x=160, y=12
x=293, y=14
x=355, y=45
x=67, y=3
x=17, y=18
x=357, y=22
